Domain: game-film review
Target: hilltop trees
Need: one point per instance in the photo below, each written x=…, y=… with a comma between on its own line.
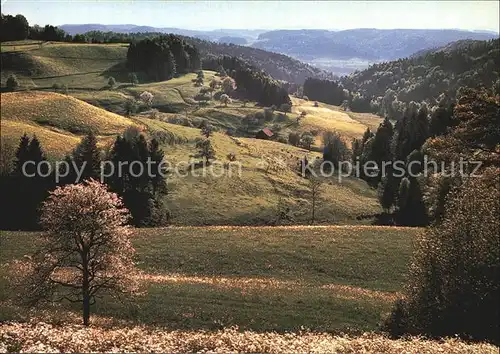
x=85, y=252
x=162, y=57
x=13, y=28
x=251, y=83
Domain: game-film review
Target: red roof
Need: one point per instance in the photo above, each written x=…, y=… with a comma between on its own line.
x=267, y=132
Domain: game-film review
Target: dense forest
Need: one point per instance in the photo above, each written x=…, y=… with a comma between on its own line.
x=251, y=83
x=162, y=57
x=434, y=76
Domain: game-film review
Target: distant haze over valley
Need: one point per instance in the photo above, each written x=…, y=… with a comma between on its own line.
x=340, y=52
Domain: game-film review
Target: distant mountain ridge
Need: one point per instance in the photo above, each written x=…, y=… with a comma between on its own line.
x=372, y=44
x=212, y=35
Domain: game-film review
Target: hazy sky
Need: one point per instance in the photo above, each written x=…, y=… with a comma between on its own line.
x=478, y=15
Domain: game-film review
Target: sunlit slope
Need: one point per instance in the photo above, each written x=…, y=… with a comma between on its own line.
x=59, y=121
x=78, y=65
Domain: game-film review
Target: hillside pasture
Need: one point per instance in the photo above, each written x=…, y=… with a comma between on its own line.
x=331, y=278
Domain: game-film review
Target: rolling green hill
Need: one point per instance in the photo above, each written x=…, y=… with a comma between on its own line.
x=60, y=120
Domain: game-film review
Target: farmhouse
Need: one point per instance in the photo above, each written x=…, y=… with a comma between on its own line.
x=264, y=134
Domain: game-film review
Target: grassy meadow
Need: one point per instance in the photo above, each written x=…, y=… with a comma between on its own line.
x=255, y=197
x=331, y=278
x=232, y=273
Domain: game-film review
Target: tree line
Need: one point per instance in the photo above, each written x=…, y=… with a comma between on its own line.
x=452, y=286
x=24, y=188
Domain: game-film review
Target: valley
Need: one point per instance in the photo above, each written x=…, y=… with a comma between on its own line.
x=252, y=223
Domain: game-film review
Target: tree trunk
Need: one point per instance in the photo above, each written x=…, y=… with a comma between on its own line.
x=86, y=309
x=85, y=290
x=313, y=209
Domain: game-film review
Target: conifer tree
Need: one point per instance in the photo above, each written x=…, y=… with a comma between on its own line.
x=88, y=156
x=411, y=207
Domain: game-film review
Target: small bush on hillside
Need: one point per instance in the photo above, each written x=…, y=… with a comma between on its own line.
x=453, y=284
x=294, y=139
x=111, y=82
x=281, y=118
x=225, y=100
x=202, y=97
x=228, y=85
x=260, y=116
x=335, y=148
x=285, y=107
x=147, y=98
x=268, y=114
x=217, y=95
x=131, y=107
x=12, y=83
x=281, y=139
x=133, y=78
x=154, y=114
x=306, y=140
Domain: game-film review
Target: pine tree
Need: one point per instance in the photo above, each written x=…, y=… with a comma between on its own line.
x=88, y=156
x=411, y=207
x=22, y=154
x=387, y=190
x=158, y=181
x=381, y=148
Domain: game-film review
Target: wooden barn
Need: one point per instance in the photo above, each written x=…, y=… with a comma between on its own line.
x=264, y=134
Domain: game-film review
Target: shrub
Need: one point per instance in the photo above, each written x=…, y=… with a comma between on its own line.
x=12, y=83
x=154, y=114
x=231, y=156
x=133, y=78
x=147, y=97
x=281, y=118
x=111, y=82
x=260, y=116
x=335, y=148
x=285, y=107
x=224, y=99
x=228, y=85
x=453, y=284
x=294, y=139
x=268, y=114
x=306, y=140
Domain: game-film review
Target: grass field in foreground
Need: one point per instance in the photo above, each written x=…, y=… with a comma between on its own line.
x=259, y=278
x=42, y=337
